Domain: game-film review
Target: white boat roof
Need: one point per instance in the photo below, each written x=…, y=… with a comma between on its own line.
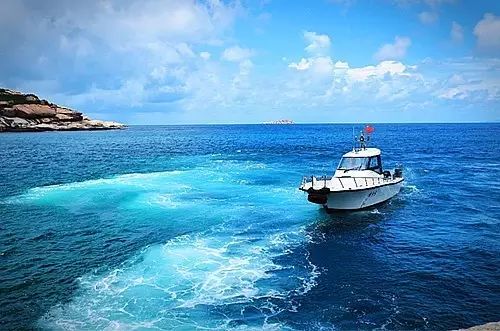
x=367, y=152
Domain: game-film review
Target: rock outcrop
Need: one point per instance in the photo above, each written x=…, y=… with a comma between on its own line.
x=26, y=112
x=493, y=326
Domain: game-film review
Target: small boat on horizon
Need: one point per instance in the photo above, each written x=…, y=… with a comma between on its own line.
x=359, y=181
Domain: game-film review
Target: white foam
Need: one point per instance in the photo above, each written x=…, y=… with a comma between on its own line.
x=162, y=200
x=411, y=190
x=174, y=283
x=135, y=179
x=86, y=189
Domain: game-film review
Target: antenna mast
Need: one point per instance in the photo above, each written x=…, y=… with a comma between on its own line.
x=353, y=139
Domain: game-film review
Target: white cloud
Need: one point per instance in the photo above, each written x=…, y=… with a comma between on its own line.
x=322, y=66
x=455, y=79
x=427, y=17
x=453, y=93
x=379, y=71
x=205, y=55
x=184, y=50
x=319, y=79
x=343, y=78
x=457, y=32
x=391, y=84
x=474, y=80
x=104, y=44
x=159, y=73
x=318, y=67
x=341, y=65
x=318, y=44
x=237, y=54
x=132, y=24
x=394, y=51
x=487, y=32
x=303, y=64
x=245, y=67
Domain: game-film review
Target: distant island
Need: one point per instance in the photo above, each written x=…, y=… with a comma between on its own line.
x=27, y=113
x=283, y=121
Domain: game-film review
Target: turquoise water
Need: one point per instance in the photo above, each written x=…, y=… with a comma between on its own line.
x=185, y=227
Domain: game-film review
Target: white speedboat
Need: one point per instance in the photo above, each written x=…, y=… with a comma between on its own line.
x=359, y=181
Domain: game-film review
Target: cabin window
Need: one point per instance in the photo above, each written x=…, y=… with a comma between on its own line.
x=353, y=163
x=375, y=164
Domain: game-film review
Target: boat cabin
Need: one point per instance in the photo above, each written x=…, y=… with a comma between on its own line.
x=367, y=161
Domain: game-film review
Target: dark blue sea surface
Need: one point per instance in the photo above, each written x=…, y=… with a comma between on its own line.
x=186, y=227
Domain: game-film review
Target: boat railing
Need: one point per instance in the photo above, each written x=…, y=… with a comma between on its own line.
x=314, y=180
x=345, y=181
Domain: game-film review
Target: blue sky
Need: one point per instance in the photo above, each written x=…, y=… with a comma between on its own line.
x=181, y=61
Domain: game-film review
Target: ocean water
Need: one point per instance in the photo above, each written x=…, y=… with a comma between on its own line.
x=203, y=227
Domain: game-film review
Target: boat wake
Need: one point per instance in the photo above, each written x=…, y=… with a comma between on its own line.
x=194, y=281
x=243, y=262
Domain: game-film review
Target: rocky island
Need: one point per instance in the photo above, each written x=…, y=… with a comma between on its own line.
x=280, y=122
x=26, y=112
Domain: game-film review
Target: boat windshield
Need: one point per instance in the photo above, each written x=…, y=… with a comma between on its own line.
x=353, y=163
x=361, y=163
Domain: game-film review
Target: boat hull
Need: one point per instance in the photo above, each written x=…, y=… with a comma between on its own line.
x=360, y=199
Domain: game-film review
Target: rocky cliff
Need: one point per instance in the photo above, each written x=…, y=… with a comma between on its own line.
x=26, y=112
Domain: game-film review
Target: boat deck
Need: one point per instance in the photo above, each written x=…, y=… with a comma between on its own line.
x=345, y=183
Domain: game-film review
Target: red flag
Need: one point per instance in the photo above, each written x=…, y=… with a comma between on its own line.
x=369, y=129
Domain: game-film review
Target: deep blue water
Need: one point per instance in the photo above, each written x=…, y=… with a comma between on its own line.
x=185, y=227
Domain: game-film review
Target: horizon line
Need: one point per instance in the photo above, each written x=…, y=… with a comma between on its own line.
x=317, y=123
